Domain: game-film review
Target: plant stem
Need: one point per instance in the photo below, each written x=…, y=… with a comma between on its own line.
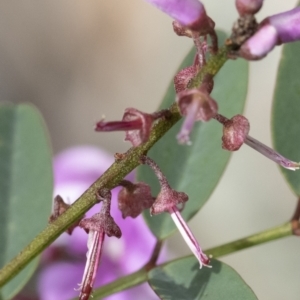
x=109, y=180
x=252, y=240
x=121, y=284
x=140, y=276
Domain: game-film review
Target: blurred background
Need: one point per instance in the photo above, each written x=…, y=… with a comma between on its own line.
x=78, y=60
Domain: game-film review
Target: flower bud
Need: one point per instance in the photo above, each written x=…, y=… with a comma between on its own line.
x=235, y=132
x=274, y=30
x=248, y=7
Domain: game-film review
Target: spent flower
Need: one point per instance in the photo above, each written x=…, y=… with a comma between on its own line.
x=133, y=198
x=195, y=105
x=235, y=133
x=169, y=200
x=135, y=123
x=97, y=226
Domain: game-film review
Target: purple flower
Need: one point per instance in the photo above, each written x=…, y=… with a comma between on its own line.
x=274, y=30
x=64, y=262
x=135, y=123
x=189, y=13
x=190, y=19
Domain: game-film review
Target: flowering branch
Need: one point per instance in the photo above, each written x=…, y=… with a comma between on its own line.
x=123, y=165
x=287, y=229
x=262, y=237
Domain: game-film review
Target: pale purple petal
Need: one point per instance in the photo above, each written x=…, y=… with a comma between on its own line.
x=83, y=163
x=184, y=11
x=75, y=170
x=287, y=25
x=274, y=30
x=260, y=44
x=59, y=280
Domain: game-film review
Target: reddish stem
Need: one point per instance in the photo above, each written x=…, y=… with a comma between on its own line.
x=119, y=125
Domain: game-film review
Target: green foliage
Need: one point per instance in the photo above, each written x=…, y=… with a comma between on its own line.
x=25, y=185
x=196, y=169
x=286, y=111
x=182, y=279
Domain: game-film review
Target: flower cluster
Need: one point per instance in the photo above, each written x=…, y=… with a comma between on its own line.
x=249, y=40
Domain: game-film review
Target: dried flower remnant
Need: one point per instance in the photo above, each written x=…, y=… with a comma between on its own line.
x=200, y=41
x=245, y=26
x=235, y=133
x=168, y=200
x=182, y=30
x=274, y=30
x=59, y=207
x=195, y=105
x=133, y=198
x=135, y=123
x=97, y=226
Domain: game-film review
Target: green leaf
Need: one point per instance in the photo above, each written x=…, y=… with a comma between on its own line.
x=196, y=169
x=182, y=279
x=286, y=111
x=25, y=185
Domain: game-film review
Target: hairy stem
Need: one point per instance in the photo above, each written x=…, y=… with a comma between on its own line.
x=109, y=180
x=140, y=276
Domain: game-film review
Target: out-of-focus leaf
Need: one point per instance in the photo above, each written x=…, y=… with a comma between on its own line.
x=286, y=111
x=182, y=279
x=196, y=169
x=25, y=185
